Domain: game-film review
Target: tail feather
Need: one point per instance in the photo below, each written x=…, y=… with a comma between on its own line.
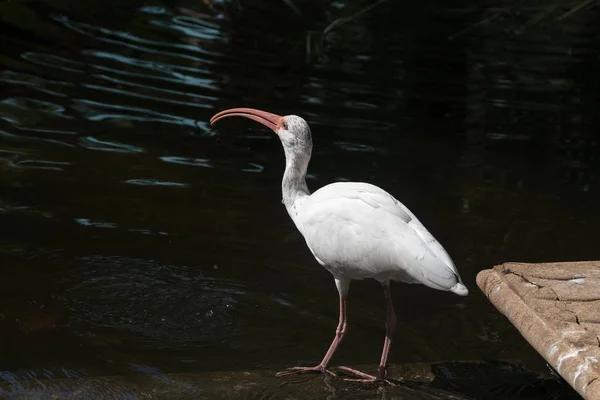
x=460, y=289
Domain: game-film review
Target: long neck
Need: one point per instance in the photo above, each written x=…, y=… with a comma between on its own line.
x=293, y=185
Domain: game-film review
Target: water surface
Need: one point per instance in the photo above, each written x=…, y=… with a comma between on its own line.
x=137, y=240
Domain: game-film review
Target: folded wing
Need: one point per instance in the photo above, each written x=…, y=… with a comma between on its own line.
x=358, y=230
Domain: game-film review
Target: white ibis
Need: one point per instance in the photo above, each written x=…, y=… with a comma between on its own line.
x=356, y=231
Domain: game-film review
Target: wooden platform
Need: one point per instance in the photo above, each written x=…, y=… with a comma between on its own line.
x=556, y=307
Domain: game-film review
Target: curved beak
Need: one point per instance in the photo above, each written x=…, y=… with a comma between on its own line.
x=272, y=121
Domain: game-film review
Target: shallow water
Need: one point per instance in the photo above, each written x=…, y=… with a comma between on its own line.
x=137, y=240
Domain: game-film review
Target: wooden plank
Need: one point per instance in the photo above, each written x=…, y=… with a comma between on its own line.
x=556, y=307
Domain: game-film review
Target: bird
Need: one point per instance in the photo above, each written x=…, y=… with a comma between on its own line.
x=356, y=231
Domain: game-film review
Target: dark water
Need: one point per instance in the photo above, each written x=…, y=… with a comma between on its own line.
x=136, y=240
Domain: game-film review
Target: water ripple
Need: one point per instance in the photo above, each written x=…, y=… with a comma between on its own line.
x=42, y=164
x=195, y=162
x=97, y=111
x=159, y=92
x=191, y=27
x=152, y=10
x=25, y=138
x=155, y=182
x=54, y=61
x=175, y=76
x=26, y=111
x=130, y=93
x=92, y=143
x=129, y=39
x=110, y=225
x=161, y=67
x=355, y=147
x=35, y=82
x=165, y=303
x=95, y=224
x=254, y=168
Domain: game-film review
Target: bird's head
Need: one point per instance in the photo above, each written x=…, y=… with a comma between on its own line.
x=292, y=130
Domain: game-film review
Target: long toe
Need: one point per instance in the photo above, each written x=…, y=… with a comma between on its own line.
x=305, y=370
x=361, y=376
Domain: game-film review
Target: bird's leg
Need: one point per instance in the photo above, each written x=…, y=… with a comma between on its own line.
x=390, y=328
x=340, y=332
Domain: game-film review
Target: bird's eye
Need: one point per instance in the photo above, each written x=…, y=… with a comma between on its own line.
x=284, y=125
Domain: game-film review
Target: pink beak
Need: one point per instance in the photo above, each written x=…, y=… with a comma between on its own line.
x=269, y=120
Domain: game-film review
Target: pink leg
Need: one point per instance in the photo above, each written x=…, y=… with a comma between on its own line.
x=340, y=332
x=390, y=328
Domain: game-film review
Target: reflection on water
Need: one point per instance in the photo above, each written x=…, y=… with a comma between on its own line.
x=139, y=241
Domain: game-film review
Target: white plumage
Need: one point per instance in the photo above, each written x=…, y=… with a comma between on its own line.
x=355, y=230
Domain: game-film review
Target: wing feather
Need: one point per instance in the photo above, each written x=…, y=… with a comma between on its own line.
x=359, y=230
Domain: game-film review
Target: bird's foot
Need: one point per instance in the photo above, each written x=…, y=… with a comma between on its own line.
x=319, y=369
x=365, y=378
